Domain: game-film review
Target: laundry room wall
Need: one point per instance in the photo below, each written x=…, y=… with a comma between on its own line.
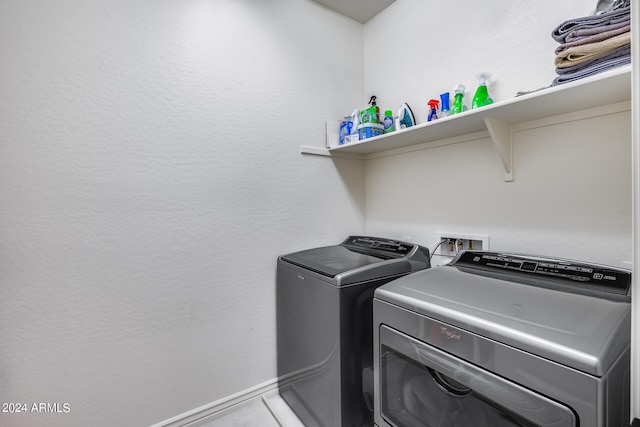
x=150, y=173
x=571, y=192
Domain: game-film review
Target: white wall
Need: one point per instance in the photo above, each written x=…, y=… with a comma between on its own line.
x=415, y=50
x=571, y=195
x=144, y=145
x=149, y=176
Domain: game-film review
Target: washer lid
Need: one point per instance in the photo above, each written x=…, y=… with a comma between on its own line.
x=584, y=330
x=360, y=254
x=332, y=260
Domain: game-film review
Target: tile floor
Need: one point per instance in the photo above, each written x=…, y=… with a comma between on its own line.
x=268, y=410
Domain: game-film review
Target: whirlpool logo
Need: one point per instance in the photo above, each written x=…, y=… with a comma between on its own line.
x=450, y=335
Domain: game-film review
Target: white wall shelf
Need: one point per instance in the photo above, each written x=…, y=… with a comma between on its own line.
x=498, y=119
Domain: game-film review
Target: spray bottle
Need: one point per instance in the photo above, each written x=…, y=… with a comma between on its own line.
x=433, y=109
x=458, y=104
x=482, y=98
x=374, y=110
x=355, y=118
x=371, y=114
x=444, y=105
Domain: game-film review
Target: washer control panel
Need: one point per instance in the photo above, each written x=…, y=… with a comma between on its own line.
x=373, y=243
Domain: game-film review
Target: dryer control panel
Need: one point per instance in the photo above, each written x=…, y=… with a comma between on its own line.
x=578, y=274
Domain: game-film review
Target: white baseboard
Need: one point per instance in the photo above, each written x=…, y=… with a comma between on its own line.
x=219, y=405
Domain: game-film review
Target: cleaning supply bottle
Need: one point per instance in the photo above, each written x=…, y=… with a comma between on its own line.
x=345, y=129
x=371, y=114
x=388, y=122
x=444, y=105
x=374, y=110
x=355, y=121
x=433, y=109
x=458, y=103
x=482, y=98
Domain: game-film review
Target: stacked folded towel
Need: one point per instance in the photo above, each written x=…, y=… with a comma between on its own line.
x=593, y=44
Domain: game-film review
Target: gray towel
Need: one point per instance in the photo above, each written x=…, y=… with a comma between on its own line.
x=602, y=33
x=588, y=32
x=595, y=67
x=607, y=5
x=586, y=52
x=612, y=17
x=620, y=52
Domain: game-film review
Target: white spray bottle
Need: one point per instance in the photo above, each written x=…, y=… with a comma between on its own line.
x=355, y=118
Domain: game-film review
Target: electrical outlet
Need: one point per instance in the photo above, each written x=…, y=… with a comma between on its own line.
x=456, y=242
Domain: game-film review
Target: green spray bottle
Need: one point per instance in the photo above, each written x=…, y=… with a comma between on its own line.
x=370, y=114
x=482, y=98
x=374, y=110
x=458, y=105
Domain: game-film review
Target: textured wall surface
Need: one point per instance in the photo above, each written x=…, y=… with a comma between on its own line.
x=415, y=50
x=149, y=176
x=571, y=196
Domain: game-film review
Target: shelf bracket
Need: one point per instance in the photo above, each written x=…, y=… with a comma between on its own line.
x=502, y=138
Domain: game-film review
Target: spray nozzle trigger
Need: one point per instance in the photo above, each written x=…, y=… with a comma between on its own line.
x=483, y=78
x=372, y=101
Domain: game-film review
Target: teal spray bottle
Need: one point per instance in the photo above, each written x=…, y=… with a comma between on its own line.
x=482, y=98
x=433, y=109
x=458, y=104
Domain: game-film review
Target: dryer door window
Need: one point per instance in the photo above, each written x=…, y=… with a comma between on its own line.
x=422, y=386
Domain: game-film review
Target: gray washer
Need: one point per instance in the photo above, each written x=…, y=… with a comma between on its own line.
x=325, y=325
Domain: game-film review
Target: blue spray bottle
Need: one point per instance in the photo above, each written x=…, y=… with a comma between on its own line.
x=433, y=109
x=444, y=105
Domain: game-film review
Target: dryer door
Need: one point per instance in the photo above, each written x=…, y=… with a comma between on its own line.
x=422, y=386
